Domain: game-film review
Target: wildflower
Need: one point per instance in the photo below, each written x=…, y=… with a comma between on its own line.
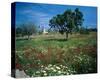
x=57, y=67
x=54, y=70
x=80, y=58
x=42, y=66
x=54, y=65
x=49, y=65
x=68, y=73
x=45, y=74
x=61, y=65
x=46, y=68
x=37, y=72
x=44, y=71
x=59, y=72
x=69, y=70
x=66, y=67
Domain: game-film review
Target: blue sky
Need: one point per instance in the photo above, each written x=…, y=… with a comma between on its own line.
x=40, y=14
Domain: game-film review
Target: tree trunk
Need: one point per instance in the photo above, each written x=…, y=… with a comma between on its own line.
x=66, y=35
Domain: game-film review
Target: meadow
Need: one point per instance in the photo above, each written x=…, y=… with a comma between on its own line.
x=53, y=55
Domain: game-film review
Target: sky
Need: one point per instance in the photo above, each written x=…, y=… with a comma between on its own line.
x=40, y=14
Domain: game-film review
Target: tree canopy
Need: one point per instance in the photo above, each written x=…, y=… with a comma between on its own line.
x=67, y=22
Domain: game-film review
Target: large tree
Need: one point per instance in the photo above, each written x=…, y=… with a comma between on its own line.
x=67, y=22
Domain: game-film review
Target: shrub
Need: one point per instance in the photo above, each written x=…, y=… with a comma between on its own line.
x=84, y=64
x=84, y=31
x=58, y=58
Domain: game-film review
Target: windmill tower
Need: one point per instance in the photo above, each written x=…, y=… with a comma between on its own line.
x=44, y=31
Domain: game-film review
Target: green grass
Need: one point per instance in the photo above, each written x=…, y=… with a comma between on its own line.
x=78, y=54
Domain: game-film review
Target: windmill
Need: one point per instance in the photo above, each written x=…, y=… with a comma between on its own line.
x=44, y=31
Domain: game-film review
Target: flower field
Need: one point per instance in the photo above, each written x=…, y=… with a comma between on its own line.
x=53, y=56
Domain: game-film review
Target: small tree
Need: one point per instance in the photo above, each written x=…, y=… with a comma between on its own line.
x=28, y=29
x=67, y=21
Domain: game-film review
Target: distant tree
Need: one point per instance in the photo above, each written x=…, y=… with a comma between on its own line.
x=92, y=29
x=84, y=30
x=18, y=32
x=67, y=22
x=26, y=29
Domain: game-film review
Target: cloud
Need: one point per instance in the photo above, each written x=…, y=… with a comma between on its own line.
x=39, y=18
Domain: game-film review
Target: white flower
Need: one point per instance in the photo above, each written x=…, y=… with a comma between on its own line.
x=59, y=72
x=54, y=65
x=68, y=73
x=37, y=72
x=61, y=65
x=49, y=65
x=66, y=67
x=45, y=74
x=42, y=66
x=46, y=68
x=57, y=67
x=64, y=72
x=69, y=70
x=52, y=68
x=44, y=71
